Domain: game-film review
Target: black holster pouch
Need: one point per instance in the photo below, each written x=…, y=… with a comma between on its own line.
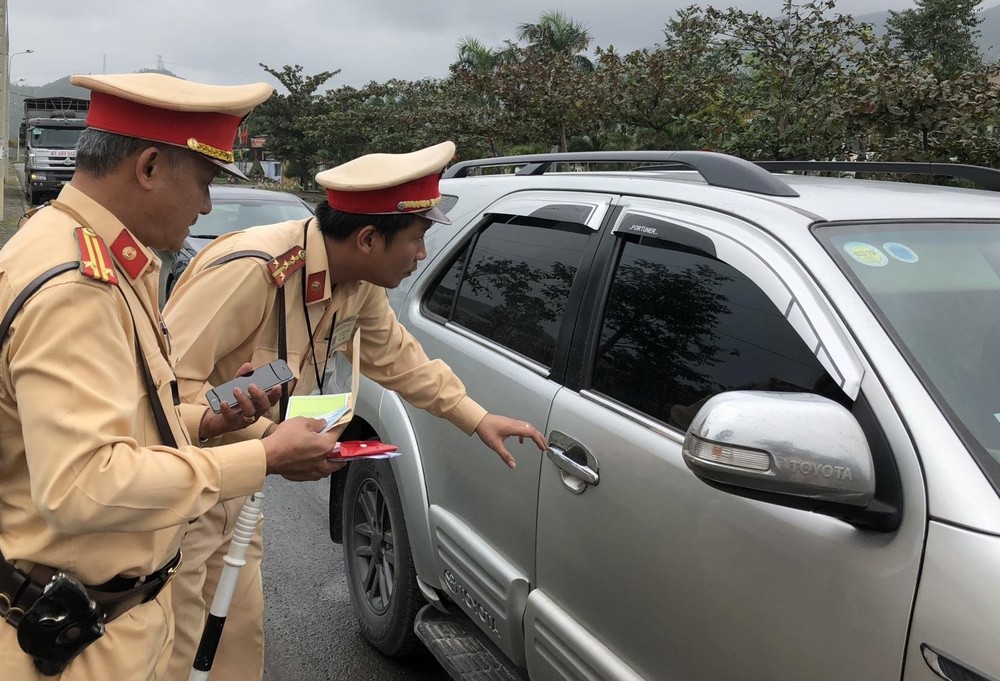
x=59, y=625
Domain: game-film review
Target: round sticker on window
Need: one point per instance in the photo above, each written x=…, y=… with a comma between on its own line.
x=900, y=252
x=866, y=254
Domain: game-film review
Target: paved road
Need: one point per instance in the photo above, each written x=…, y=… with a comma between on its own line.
x=309, y=625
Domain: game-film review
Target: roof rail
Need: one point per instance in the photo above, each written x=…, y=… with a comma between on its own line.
x=987, y=178
x=718, y=170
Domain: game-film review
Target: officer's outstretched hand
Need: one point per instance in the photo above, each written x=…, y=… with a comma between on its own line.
x=250, y=408
x=297, y=450
x=494, y=429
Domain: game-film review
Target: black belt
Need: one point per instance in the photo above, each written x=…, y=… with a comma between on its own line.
x=19, y=590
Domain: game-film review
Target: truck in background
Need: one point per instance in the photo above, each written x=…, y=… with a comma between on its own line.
x=49, y=131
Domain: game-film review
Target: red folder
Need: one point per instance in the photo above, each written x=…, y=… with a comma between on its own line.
x=362, y=449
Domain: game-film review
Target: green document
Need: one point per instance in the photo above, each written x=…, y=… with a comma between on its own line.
x=316, y=406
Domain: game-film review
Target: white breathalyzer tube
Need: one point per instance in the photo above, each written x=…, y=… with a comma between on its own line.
x=235, y=559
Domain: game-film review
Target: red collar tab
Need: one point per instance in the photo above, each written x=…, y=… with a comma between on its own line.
x=208, y=133
x=315, y=285
x=129, y=254
x=287, y=264
x=95, y=261
x=410, y=197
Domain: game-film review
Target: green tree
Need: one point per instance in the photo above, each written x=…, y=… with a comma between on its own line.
x=556, y=33
x=476, y=113
x=540, y=93
x=290, y=120
x=392, y=117
x=475, y=56
x=944, y=31
x=917, y=115
x=673, y=97
x=804, y=82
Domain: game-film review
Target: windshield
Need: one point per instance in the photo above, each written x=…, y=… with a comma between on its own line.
x=233, y=216
x=936, y=288
x=54, y=138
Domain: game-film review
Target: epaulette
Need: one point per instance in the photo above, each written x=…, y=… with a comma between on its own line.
x=286, y=264
x=95, y=260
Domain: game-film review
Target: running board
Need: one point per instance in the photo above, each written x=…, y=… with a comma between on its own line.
x=462, y=649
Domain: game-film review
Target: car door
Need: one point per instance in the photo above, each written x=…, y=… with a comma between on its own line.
x=644, y=570
x=498, y=306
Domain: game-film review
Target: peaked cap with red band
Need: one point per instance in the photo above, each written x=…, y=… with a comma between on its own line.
x=383, y=184
x=160, y=108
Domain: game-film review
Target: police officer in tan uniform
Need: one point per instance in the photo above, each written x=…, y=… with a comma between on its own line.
x=98, y=476
x=332, y=272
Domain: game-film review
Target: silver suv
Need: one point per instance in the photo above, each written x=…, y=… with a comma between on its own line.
x=773, y=405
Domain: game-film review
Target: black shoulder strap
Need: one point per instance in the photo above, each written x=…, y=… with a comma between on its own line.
x=282, y=331
x=29, y=291
x=166, y=435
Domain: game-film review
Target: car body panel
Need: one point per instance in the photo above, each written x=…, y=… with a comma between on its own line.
x=958, y=585
x=685, y=571
x=651, y=572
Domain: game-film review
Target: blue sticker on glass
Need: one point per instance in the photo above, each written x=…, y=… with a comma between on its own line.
x=900, y=252
x=866, y=254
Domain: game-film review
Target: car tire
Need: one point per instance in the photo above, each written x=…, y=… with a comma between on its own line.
x=378, y=562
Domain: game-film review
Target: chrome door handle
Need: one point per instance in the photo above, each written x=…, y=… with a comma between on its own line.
x=558, y=456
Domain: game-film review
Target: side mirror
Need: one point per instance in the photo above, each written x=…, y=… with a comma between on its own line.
x=792, y=444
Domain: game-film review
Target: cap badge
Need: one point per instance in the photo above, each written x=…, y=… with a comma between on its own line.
x=404, y=206
x=202, y=148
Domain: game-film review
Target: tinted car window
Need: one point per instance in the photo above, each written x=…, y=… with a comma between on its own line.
x=511, y=284
x=681, y=326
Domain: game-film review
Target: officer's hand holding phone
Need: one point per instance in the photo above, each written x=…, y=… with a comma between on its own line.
x=240, y=402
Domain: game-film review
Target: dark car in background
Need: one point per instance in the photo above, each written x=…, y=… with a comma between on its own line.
x=233, y=208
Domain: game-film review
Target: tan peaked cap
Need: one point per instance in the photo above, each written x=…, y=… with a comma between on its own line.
x=377, y=184
x=160, y=108
x=175, y=94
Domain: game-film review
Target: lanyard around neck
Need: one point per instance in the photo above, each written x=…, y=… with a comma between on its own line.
x=309, y=328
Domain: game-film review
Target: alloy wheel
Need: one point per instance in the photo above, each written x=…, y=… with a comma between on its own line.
x=374, y=549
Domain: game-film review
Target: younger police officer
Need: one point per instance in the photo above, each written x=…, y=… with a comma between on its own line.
x=332, y=272
x=98, y=479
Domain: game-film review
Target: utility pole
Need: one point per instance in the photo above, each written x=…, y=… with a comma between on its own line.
x=5, y=98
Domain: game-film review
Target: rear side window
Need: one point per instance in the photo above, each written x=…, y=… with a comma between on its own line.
x=681, y=326
x=512, y=282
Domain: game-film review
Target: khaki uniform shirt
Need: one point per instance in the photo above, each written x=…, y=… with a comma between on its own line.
x=223, y=316
x=85, y=484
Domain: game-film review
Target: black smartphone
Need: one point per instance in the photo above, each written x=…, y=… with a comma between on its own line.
x=265, y=378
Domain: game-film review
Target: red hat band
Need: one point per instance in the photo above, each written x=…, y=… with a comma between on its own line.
x=409, y=197
x=205, y=132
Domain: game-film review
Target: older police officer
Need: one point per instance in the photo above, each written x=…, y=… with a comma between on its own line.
x=98, y=477
x=329, y=273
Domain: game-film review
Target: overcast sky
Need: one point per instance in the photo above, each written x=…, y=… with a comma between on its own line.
x=222, y=41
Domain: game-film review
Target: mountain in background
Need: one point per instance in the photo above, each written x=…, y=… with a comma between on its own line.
x=57, y=88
